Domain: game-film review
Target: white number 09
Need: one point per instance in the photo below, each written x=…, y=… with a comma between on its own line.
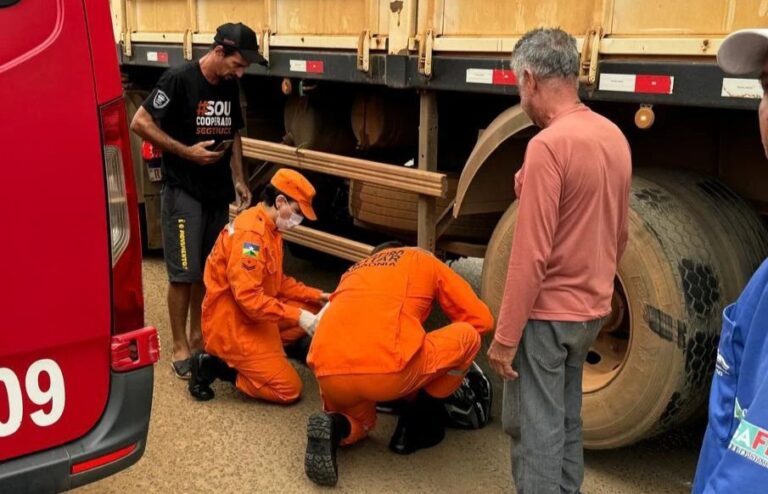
x=54, y=395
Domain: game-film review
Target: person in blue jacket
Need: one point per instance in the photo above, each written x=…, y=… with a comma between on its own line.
x=734, y=456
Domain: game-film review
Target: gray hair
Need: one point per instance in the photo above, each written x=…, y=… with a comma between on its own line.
x=547, y=53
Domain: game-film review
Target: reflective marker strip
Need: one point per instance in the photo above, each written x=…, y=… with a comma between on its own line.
x=157, y=56
x=496, y=77
x=308, y=66
x=741, y=88
x=632, y=83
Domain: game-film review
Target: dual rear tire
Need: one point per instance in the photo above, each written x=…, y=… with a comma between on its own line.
x=693, y=244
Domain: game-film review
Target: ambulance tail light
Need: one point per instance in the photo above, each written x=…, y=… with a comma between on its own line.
x=127, y=297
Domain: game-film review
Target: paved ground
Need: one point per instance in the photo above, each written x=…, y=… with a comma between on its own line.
x=234, y=444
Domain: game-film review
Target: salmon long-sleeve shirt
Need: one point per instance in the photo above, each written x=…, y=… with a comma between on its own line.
x=374, y=321
x=244, y=283
x=571, y=231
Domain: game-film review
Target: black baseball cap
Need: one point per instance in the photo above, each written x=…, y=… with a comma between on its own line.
x=241, y=38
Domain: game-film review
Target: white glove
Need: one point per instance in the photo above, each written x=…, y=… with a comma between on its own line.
x=308, y=321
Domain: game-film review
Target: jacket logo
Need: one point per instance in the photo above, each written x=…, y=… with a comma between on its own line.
x=751, y=442
x=721, y=367
x=161, y=100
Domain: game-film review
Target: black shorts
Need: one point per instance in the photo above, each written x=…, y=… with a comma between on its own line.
x=189, y=232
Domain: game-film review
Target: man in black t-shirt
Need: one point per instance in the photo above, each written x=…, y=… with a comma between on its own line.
x=194, y=116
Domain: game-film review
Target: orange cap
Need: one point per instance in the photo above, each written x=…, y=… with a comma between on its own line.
x=297, y=187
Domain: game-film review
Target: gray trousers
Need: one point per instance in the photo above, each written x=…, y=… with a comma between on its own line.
x=542, y=408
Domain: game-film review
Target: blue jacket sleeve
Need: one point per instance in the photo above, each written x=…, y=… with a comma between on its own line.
x=734, y=456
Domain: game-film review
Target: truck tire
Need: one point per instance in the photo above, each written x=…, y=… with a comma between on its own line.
x=650, y=367
x=395, y=210
x=740, y=236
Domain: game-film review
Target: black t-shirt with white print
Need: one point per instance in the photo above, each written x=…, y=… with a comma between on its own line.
x=190, y=109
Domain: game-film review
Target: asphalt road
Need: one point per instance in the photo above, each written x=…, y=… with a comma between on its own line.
x=235, y=444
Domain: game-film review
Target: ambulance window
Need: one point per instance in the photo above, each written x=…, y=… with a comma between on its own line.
x=7, y=3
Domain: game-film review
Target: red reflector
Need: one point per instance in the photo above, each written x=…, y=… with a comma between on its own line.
x=315, y=66
x=102, y=460
x=504, y=77
x=135, y=349
x=150, y=152
x=653, y=84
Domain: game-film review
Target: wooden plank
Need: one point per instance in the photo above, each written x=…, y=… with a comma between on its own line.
x=481, y=18
x=398, y=177
x=213, y=13
x=334, y=245
x=202, y=38
x=463, y=248
x=327, y=17
x=161, y=16
x=708, y=17
x=425, y=233
x=700, y=46
x=482, y=44
x=326, y=42
x=291, y=41
x=176, y=38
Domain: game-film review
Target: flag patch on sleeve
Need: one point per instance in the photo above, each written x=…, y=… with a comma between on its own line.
x=250, y=250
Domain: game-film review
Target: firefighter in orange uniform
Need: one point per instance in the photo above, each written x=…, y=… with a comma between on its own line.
x=370, y=346
x=251, y=308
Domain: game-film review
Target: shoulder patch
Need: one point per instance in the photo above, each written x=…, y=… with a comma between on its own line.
x=251, y=250
x=161, y=99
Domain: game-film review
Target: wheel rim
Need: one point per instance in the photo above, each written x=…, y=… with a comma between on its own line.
x=608, y=353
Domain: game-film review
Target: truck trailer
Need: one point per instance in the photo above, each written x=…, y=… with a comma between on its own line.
x=405, y=114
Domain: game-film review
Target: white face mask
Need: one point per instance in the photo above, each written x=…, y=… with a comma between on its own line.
x=284, y=224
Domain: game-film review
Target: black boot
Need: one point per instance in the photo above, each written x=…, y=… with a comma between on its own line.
x=421, y=425
x=206, y=368
x=223, y=371
x=298, y=351
x=324, y=434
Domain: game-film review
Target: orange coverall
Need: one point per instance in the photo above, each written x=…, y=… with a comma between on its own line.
x=371, y=346
x=251, y=308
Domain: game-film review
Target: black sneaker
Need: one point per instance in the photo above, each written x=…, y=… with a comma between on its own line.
x=324, y=433
x=200, y=383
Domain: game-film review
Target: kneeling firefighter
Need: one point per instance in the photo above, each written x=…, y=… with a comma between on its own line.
x=251, y=308
x=370, y=346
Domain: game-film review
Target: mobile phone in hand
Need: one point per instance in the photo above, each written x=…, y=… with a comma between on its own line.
x=223, y=145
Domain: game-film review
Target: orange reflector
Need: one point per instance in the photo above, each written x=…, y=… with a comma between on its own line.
x=102, y=460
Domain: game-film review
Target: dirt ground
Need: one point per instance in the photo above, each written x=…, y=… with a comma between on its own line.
x=235, y=444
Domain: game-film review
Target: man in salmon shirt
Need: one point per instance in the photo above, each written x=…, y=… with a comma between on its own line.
x=370, y=346
x=251, y=308
x=573, y=192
